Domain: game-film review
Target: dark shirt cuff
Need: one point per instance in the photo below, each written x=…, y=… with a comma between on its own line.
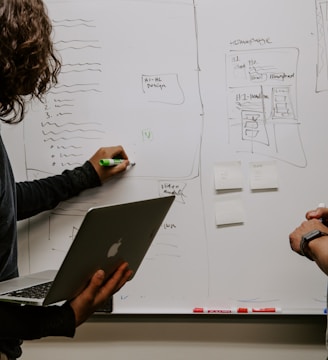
x=59, y=321
x=84, y=177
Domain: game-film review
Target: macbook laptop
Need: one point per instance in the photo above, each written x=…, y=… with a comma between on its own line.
x=108, y=236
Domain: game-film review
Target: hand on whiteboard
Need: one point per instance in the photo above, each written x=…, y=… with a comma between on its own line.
x=97, y=292
x=311, y=239
x=111, y=152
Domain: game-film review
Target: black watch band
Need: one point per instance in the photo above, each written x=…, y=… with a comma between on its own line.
x=314, y=234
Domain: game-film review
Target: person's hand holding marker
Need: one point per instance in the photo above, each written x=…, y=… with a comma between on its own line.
x=118, y=163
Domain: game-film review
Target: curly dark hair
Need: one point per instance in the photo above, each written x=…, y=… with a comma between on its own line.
x=28, y=63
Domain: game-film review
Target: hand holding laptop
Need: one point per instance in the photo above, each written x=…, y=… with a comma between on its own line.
x=97, y=292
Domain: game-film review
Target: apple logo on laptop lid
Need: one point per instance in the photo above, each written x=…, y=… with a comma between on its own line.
x=113, y=250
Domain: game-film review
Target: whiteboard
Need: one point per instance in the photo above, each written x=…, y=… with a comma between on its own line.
x=222, y=103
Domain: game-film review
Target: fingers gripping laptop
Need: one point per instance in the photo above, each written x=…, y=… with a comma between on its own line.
x=94, y=247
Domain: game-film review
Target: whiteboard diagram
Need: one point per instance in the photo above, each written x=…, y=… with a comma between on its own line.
x=109, y=74
x=262, y=102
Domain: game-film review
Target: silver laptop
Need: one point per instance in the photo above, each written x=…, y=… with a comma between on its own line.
x=108, y=236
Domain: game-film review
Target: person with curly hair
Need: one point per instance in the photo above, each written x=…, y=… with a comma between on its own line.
x=28, y=69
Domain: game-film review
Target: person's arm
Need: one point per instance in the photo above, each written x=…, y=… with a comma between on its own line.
x=34, y=322
x=316, y=249
x=36, y=196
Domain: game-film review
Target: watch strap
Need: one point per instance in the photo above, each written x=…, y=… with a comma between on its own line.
x=306, y=238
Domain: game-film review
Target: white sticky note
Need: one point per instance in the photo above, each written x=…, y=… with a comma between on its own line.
x=228, y=175
x=229, y=209
x=263, y=175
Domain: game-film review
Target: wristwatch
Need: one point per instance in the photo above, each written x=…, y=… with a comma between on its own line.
x=314, y=234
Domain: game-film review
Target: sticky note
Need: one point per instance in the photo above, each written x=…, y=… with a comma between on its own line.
x=229, y=209
x=228, y=175
x=263, y=175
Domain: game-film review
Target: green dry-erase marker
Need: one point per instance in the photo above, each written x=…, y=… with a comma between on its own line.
x=114, y=162
x=110, y=162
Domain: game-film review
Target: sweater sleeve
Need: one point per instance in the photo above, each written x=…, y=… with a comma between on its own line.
x=36, y=196
x=34, y=322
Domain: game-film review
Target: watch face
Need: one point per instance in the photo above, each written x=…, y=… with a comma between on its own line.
x=314, y=234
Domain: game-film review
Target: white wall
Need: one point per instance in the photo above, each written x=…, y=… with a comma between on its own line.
x=230, y=338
